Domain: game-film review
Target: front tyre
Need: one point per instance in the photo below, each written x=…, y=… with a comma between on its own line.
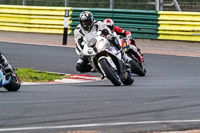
x=129, y=80
x=111, y=74
x=14, y=84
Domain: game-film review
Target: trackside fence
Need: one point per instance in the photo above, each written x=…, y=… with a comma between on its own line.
x=142, y=23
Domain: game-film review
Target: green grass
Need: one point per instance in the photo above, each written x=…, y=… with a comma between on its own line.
x=30, y=75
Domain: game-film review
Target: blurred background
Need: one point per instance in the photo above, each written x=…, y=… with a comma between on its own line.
x=164, y=5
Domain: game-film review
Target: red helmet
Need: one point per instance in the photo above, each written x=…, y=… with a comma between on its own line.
x=109, y=23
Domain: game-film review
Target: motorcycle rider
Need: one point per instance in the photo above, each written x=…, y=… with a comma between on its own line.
x=88, y=24
x=3, y=61
x=4, y=65
x=110, y=24
x=119, y=31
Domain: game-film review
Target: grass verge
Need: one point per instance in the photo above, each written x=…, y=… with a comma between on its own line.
x=30, y=75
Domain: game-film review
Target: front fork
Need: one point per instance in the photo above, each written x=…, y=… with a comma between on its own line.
x=117, y=65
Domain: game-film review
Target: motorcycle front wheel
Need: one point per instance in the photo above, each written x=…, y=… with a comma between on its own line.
x=129, y=80
x=111, y=74
x=14, y=84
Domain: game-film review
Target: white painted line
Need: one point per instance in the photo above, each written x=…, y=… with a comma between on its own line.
x=97, y=125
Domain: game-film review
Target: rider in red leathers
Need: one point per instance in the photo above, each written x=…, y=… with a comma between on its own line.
x=116, y=30
x=110, y=24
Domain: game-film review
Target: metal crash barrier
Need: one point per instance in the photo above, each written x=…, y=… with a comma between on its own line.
x=179, y=25
x=32, y=19
x=145, y=24
x=142, y=24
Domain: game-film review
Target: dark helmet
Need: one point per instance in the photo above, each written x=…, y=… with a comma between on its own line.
x=86, y=20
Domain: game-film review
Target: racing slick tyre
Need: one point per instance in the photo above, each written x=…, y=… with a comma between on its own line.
x=111, y=74
x=129, y=80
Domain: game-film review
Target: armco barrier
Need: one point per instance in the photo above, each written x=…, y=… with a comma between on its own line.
x=142, y=24
x=179, y=25
x=32, y=19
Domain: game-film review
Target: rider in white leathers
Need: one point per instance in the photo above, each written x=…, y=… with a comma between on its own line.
x=88, y=24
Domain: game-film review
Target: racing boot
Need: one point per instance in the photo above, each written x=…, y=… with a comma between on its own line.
x=125, y=57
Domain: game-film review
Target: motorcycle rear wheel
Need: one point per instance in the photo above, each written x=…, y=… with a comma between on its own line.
x=110, y=73
x=14, y=84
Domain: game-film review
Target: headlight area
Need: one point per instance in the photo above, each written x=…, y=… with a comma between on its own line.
x=102, y=45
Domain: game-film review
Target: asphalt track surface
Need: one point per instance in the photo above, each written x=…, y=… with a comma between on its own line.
x=167, y=98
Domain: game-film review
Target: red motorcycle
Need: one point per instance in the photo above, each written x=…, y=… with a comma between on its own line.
x=137, y=63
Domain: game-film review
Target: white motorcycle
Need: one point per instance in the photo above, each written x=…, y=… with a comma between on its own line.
x=106, y=59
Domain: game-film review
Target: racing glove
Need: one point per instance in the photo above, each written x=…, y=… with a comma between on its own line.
x=113, y=40
x=129, y=37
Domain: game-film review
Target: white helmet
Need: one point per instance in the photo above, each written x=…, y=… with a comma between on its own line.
x=109, y=23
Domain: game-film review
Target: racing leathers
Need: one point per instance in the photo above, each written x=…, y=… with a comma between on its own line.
x=127, y=34
x=4, y=64
x=124, y=33
x=83, y=64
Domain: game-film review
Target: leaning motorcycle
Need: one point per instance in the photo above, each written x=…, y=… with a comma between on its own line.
x=106, y=59
x=9, y=79
x=137, y=63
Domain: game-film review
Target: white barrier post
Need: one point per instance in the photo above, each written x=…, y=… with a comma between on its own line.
x=112, y=4
x=66, y=3
x=24, y=3
x=157, y=5
x=66, y=23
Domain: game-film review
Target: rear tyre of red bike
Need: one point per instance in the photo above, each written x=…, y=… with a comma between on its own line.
x=136, y=67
